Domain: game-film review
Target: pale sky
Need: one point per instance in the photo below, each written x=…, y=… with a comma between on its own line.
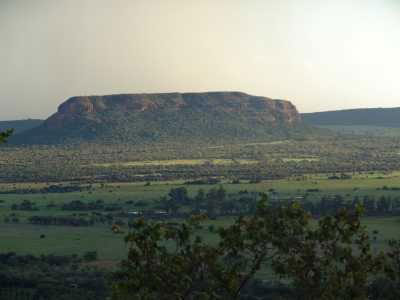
x=319, y=54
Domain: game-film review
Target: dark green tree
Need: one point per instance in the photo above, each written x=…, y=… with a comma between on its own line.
x=199, y=200
x=5, y=135
x=212, y=202
x=329, y=260
x=173, y=262
x=333, y=260
x=179, y=195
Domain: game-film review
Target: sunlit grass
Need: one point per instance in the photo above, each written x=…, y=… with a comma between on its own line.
x=175, y=162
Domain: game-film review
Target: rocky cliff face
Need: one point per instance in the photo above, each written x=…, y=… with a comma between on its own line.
x=95, y=107
x=169, y=116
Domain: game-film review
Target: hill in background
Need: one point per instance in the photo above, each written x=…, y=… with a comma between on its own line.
x=20, y=125
x=370, y=121
x=385, y=117
x=168, y=117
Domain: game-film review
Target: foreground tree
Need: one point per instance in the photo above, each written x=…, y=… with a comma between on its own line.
x=173, y=262
x=387, y=285
x=328, y=260
x=333, y=260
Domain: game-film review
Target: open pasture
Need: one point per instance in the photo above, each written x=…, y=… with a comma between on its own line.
x=377, y=184
x=62, y=240
x=23, y=237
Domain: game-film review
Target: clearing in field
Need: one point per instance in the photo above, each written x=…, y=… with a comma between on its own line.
x=175, y=162
x=300, y=159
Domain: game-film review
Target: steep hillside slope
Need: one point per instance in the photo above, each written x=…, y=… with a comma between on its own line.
x=168, y=117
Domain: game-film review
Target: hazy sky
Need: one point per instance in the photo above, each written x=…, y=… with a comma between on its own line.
x=320, y=54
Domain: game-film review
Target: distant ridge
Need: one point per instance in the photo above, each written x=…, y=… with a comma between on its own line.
x=384, y=117
x=167, y=117
x=20, y=125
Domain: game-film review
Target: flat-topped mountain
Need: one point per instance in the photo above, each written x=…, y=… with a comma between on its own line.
x=136, y=118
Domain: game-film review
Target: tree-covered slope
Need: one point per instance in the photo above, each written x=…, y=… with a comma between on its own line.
x=168, y=117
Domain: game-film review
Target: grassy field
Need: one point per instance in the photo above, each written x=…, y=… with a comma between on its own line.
x=197, y=162
x=25, y=238
x=176, y=162
x=62, y=240
x=360, y=184
x=300, y=159
x=118, y=193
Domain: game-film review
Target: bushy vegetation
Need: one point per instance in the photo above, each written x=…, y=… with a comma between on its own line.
x=247, y=161
x=51, y=277
x=48, y=189
x=331, y=260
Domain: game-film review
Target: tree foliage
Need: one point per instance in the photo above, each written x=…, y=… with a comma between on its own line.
x=332, y=259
